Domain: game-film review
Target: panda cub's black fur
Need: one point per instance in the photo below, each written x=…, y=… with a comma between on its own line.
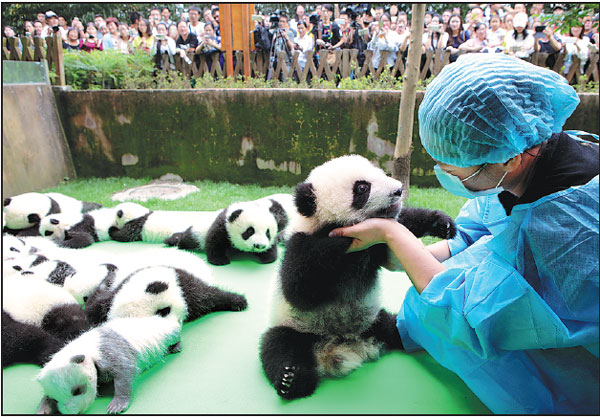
x=326, y=318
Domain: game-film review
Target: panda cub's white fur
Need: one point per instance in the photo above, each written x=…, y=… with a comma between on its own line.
x=253, y=214
x=54, y=226
x=118, y=351
x=128, y=211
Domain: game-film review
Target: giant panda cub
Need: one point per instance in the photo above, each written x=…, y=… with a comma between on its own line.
x=35, y=309
x=326, y=314
x=79, y=230
x=23, y=213
x=243, y=227
x=116, y=352
x=136, y=223
x=159, y=290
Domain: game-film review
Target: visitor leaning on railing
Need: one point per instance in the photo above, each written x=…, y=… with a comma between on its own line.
x=163, y=45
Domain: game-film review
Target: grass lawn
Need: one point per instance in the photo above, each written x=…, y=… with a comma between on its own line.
x=218, y=195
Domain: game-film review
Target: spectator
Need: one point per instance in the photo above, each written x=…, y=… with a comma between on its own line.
x=134, y=18
x=519, y=8
x=9, y=32
x=73, y=41
x=378, y=13
x=547, y=42
x=90, y=41
x=145, y=39
x=216, y=21
x=29, y=29
x=207, y=15
x=432, y=36
x=479, y=42
x=185, y=40
x=394, y=13
x=42, y=18
x=154, y=18
x=103, y=31
x=558, y=9
x=196, y=27
x=51, y=24
x=508, y=22
x=403, y=17
x=173, y=34
x=299, y=17
x=125, y=38
x=109, y=40
x=208, y=44
x=163, y=45
x=303, y=42
x=384, y=39
x=63, y=27
x=284, y=24
x=329, y=36
x=519, y=41
x=428, y=16
x=99, y=21
x=456, y=36
x=495, y=9
x=496, y=34
x=38, y=28
x=165, y=14
x=282, y=43
x=446, y=17
x=588, y=23
x=576, y=44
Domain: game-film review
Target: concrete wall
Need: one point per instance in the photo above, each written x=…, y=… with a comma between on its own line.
x=264, y=136
x=35, y=154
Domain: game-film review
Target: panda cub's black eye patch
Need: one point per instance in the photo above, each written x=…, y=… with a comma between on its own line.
x=54, y=221
x=360, y=192
x=268, y=234
x=248, y=233
x=48, y=233
x=14, y=249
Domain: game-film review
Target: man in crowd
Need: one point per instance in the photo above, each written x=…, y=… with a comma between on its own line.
x=51, y=22
x=195, y=25
x=165, y=13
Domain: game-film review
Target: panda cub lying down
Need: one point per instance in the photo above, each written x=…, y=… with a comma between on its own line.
x=326, y=316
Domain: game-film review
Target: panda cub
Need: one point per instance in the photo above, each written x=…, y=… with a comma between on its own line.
x=326, y=314
x=136, y=223
x=79, y=230
x=23, y=213
x=35, y=309
x=159, y=290
x=248, y=227
x=116, y=352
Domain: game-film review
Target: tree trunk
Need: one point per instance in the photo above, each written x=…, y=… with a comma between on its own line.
x=406, y=116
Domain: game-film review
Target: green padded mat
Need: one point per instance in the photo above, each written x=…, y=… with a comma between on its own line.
x=219, y=372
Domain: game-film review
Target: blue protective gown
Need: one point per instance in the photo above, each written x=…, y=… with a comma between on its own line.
x=515, y=315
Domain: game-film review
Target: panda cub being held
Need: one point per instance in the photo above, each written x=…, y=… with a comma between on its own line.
x=326, y=314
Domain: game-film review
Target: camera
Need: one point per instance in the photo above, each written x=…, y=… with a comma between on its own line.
x=435, y=28
x=160, y=37
x=274, y=19
x=314, y=19
x=55, y=28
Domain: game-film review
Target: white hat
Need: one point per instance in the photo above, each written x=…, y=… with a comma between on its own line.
x=50, y=14
x=520, y=20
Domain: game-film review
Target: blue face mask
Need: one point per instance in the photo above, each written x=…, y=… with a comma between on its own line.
x=455, y=185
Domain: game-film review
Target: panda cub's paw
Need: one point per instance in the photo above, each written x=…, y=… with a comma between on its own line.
x=173, y=240
x=117, y=405
x=444, y=226
x=218, y=260
x=296, y=382
x=238, y=303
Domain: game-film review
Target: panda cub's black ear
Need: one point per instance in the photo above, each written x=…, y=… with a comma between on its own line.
x=305, y=199
x=7, y=201
x=234, y=215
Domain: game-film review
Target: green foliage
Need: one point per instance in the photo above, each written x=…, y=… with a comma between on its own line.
x=107, y=69
x=585, y=86
x=570, y=17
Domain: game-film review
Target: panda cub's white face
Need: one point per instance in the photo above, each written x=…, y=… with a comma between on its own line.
x=348, y=190
x=20, y=210
x=251, y=226
x=54, y=226
x=128, y=211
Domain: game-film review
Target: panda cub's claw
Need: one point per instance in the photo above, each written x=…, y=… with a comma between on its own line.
x=117, y=405
x=295, y=382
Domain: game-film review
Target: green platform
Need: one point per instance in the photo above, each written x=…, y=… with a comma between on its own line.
x=219, y=372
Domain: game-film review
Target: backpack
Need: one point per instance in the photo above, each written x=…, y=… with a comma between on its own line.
x=262, y=38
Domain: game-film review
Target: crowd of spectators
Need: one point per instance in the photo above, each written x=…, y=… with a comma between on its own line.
x=486, y=28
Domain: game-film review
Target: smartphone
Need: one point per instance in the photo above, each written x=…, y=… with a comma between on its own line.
x=435, y=28
x=540, y=28
x=380, y=25
x=161, y=37
x=257, y=18
x=340, y=22
x=363, y=32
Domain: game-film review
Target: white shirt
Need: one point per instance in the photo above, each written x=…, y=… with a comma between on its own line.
x=306, y=44
x=198, y=29
x=390, y=42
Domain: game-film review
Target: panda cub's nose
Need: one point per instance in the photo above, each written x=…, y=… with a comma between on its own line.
x=260, y=246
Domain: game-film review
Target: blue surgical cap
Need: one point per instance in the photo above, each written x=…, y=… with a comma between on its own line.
x=487, y=108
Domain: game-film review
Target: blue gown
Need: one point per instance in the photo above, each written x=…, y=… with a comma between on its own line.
x=515, y=315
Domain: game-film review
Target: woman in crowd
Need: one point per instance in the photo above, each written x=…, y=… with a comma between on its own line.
x=73, y=41
x=550, y=44
x=172, y=31
x=124, y=40
x=479, y=42
x=208, y=44
x=304, y=42
x=519, y=41
x=496, y=34
x=511, y=303
x=145, y=39
x=384, y=39
x=90, y=41
x=163, y=45
x=576, y=44
x=29, y=29
x=456, y=35
x=434, y=37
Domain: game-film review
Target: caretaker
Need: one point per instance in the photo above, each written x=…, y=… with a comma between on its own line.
x=511, y=303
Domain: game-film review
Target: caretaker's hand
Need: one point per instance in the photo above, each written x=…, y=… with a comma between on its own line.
x=367, y=233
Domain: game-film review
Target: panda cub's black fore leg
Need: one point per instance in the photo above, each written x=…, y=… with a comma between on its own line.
x=289, y=361
x=268, y=256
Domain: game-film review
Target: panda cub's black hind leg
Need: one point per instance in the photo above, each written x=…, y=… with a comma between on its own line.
x=289, y=361
x=384, y=330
